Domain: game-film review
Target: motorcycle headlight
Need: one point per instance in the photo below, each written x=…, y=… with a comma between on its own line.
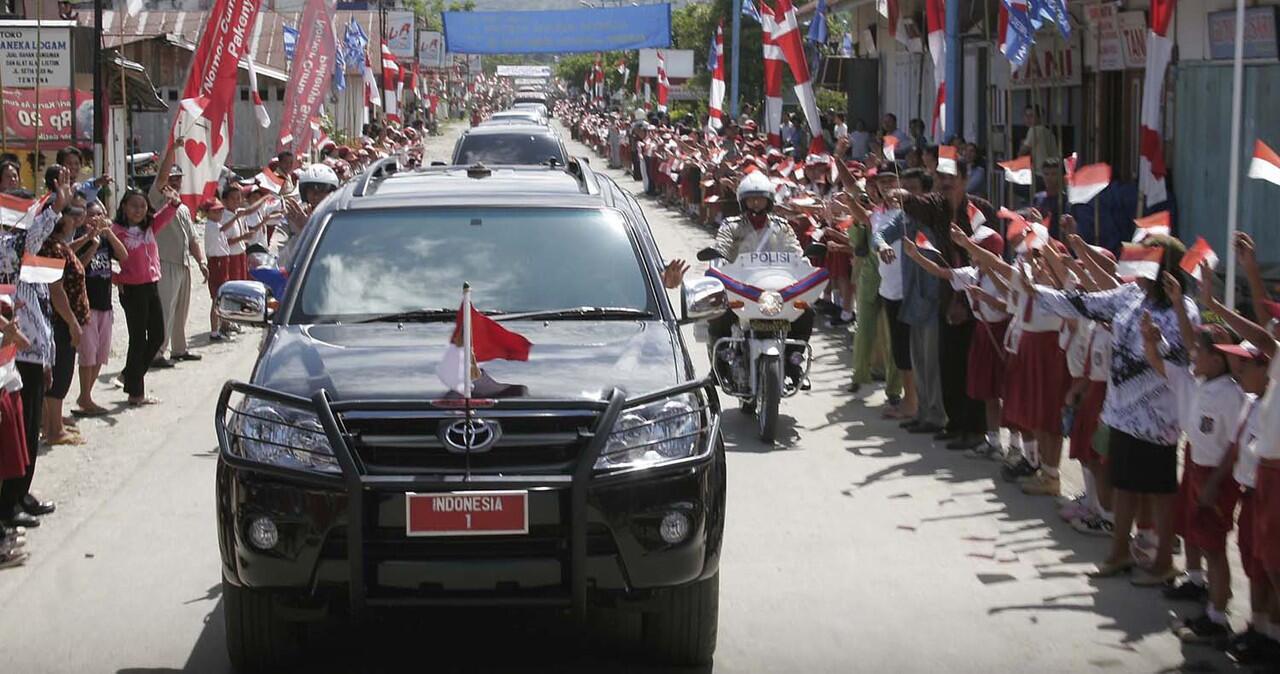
x=770, y=303
x=661, y=432
x=281, y=436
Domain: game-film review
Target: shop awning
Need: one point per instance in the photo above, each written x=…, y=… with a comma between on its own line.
x=137, y=85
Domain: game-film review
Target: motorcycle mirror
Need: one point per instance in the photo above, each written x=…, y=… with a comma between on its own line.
x=815, y=250
x=708, y=254
x=439, y=163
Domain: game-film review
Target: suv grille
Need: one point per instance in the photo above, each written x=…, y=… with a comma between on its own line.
x=530, y=442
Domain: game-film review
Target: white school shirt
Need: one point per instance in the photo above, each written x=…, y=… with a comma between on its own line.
x=1208, y=411
x=1099, y=368
x=1078, y=347
x=1269, y=415
x=963, y=278
x=215, y=240
x=235, y=230
x=1246, y=468
x=1027, y=315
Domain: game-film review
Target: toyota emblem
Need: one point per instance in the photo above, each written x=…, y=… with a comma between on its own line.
x=470, y=435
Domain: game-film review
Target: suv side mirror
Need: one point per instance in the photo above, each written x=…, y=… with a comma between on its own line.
x=244, y=302
x=702, y=299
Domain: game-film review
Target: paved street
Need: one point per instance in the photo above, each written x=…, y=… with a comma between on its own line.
x=850, y=547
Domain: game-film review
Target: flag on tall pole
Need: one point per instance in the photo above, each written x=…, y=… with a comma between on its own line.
x=390, y=79
x=818, y=25
x=259, y=108
x=1152, y=169
x=773, y=60
x=935, y=18
x=664, y=85
x=749, y=9
x=1265, y=164
x=786, y=33
x=1015, y=32
x=204, y=120
x=309, y=82
x=715, y=108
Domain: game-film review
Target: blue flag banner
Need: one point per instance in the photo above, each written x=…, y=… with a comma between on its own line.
x=355, y=41
x=1020, y=35
x=558, y=31
x=1037, y=11
x=749, y=9
x=1058, y=8
x=818, y=26
x=290, y=42
x=339, y=68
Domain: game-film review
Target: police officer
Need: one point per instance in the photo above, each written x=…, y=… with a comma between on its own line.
x=758, y=230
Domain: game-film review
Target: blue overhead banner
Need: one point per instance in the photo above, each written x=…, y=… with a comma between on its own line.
x=558, y=31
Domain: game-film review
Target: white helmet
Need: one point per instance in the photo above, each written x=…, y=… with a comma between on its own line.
x=318, y=174
x=756, y=184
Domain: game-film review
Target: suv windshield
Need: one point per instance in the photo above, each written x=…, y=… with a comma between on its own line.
x=508, y=148
x=378, y=263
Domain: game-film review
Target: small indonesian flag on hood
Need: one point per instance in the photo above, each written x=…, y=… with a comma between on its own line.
x=36, y=269
x=1088, y=182
x=1137, y=261
x=922, y=242
x=1018, y=171
x=477, y=339
x=947, y=160
x=1199, y=254
x=1154, y=224
x=891, y=148
x=1265, y=164
x=14, y=210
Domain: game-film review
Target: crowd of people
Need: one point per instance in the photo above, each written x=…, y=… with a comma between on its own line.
x=1009, y=334
x=60, y=261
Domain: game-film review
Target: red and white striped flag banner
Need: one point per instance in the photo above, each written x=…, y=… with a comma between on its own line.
x=1087, y=182
x=1152, y=169
x=664, y=85
x=1017, y=171
x=259, y=108
x=935, y=21
x=773, y=60
x=715, y=108
x=1152, y=225
x=36, y=269
x=786, y=33
x=948, y=160
x=1198, y=254
x=1138, y=261
x=1265, y=164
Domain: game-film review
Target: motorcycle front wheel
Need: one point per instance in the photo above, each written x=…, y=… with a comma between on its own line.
x=768, y=396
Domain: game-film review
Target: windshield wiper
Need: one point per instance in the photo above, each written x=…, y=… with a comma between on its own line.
x=413, y=316
x=577, y=312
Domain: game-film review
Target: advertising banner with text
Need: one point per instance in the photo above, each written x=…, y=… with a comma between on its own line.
x=558, y=31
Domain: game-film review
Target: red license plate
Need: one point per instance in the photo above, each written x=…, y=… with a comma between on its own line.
x=467, y=513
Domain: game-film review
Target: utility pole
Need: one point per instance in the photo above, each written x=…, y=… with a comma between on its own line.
x=737, y=58
x=951, y=121
x=99, y=93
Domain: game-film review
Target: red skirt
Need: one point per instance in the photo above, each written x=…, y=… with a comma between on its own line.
x=839, y=266
x=14, y=458
x=1266, y=515
x=1036, y=384
x=1244, y=537
x=1086, y=422
x=986, y=361
x=1205, y=528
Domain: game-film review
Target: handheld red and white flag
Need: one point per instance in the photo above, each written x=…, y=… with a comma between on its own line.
x=1137, y=261
x=1198, y=254
x=14, y=210
x=982, y=233
x=477, y=339
x=268, y=179
x=1156, y=223
x=947, y=160
x=923, y=243
x=976, y=217
x=890, y=150
x=715, y=109
x=36, y=269
x=1265, y=164
x=1087, y=182
x=1017, y=171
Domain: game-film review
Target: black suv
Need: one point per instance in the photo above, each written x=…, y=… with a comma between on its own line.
x=351, y=479
x=526, y=143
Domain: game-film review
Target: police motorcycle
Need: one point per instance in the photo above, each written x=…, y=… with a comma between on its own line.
x=765, y=293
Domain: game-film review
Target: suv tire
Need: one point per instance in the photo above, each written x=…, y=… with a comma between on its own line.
x=258, y=640
x=683, y=631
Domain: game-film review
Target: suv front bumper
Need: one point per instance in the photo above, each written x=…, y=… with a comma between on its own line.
x=589, y=534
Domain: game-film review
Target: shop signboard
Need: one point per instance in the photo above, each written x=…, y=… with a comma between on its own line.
x=21, y=57
x=1052, y=62
x=1259, y=33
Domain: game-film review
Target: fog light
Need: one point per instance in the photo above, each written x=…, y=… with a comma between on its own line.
x=675, y=527
x=263, y=533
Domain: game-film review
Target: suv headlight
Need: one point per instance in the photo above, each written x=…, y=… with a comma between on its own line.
x=281, y=435
x=660, y=432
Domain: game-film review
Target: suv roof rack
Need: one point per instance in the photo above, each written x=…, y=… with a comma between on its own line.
x=580, y=169
x=380, y=169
